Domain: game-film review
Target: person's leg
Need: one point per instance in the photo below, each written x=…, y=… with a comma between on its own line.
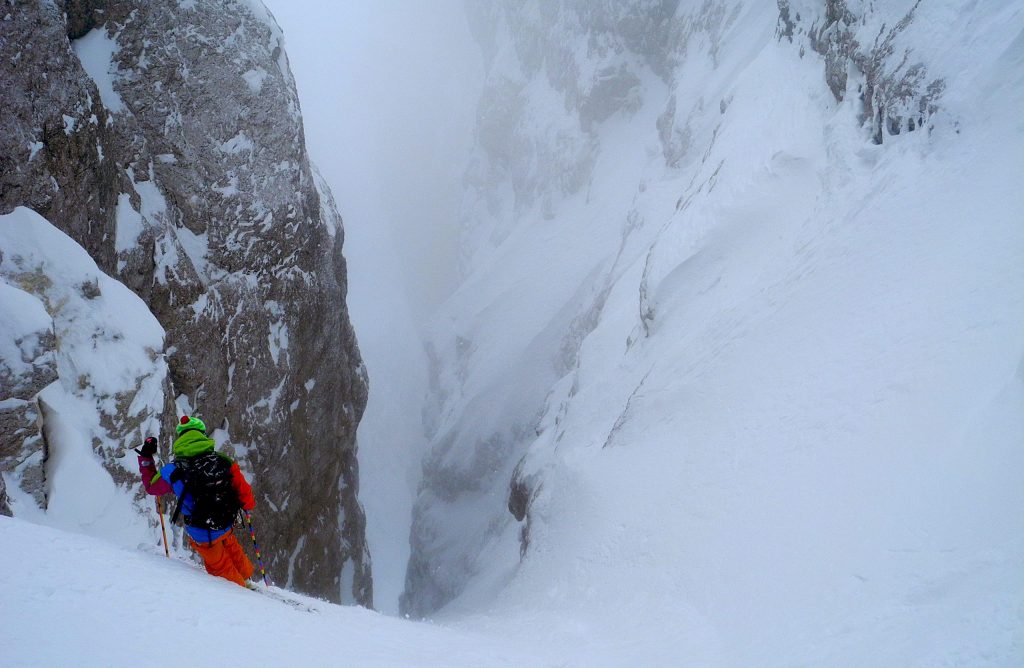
x=238, y=558
x=218, y=561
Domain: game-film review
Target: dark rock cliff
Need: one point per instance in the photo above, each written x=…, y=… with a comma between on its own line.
x=165, y=138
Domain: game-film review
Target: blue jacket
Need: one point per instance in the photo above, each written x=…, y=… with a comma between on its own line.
x=197, y=534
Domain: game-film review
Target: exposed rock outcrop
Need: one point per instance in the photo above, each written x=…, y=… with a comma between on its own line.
x=5, y=508
x=896, y=93
x=165, y=138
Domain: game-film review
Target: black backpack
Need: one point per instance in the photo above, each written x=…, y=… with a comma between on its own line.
x=207, y=480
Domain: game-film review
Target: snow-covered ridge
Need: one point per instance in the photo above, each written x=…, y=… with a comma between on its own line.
x=725, y=376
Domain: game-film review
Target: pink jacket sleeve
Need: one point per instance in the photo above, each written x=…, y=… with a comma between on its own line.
x=154, y=484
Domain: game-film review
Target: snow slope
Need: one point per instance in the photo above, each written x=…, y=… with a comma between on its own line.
x=755, y=388
x=74, y=600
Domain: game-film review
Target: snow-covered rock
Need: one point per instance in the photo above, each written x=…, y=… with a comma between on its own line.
x=84, y=360
x=165, y=138
x=734, y=374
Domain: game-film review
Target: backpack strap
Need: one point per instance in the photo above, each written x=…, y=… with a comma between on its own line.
x=179, y=504
x=176, y=475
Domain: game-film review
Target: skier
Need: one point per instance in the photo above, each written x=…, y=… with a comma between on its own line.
x=210, y=489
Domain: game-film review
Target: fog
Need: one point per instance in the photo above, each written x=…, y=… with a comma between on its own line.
x=388, y=92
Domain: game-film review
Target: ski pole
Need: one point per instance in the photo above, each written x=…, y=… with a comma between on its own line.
x=163, y=529
x=255, y=545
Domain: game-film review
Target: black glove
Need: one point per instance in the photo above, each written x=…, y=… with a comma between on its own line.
x=148, y=447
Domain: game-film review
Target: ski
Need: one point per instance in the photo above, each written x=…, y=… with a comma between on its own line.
x=280, y=596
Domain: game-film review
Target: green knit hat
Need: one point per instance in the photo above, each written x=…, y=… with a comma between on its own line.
x=187, y=423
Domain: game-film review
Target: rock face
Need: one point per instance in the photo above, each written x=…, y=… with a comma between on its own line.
x=165, y=138
x=5, y=508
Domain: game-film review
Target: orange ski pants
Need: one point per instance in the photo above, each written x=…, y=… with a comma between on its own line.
x=224, y=558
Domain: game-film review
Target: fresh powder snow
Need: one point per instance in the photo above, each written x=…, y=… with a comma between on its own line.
x=104, y=606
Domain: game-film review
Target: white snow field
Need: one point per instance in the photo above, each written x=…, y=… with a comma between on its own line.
x=73, y=600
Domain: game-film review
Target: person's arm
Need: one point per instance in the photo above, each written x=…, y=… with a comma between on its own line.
x=154, y=483
x=151, y=479
x=242, y=487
